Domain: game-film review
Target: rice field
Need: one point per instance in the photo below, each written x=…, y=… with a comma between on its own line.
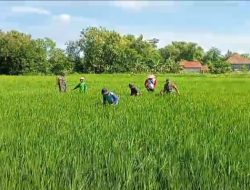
x=198, y=140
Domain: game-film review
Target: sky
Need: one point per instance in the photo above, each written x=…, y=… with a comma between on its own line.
x=223, y=24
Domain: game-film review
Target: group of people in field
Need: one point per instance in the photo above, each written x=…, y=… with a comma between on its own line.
x=112, y=98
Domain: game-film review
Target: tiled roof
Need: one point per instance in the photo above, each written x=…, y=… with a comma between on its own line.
x=238, y=59
x=191, y=64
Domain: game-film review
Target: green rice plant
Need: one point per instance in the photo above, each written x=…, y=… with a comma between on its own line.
x=198, y=140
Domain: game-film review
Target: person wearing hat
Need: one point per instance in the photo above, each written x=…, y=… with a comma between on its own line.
x=150, y=83
x=109, y=97
x=82, y=85
x=134, y=91
x=62, y=83
x=170, y=87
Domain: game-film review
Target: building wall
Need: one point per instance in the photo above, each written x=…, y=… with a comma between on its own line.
x=236, y=67
x=192, y=70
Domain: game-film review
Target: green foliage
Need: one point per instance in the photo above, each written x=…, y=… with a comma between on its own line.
x=198, y=140
x=44, y=48
x=99, y=50
x=246, y=55
x=217, y=62
x=20, y=54
x=245, y=68
x=108, y=51
x=59, y=62
x=213, y=56
x=73, y=53
x=220, y=67
x=178, y=51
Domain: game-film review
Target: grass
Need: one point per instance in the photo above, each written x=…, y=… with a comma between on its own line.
x=198, y=140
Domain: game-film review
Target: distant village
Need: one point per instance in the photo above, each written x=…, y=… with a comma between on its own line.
x=237, y=61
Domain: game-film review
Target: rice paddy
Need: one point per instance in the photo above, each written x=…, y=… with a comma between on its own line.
x=52, y=140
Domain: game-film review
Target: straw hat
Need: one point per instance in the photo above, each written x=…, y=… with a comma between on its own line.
x=82, y=78
x=151, y=76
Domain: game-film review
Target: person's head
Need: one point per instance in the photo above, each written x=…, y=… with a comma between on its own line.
x=130, y=85
x=104, y=91
x=63, y=73
x=82, y=79
x=167, y=80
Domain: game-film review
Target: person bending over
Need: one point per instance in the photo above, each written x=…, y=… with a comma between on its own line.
x=170, y=87
x=150, y=83
x=134, y=91
x=109, y=97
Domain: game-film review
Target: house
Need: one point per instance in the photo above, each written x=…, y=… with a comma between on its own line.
x=238, y=62
x=193, y=66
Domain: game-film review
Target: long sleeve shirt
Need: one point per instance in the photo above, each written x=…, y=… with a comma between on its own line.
x=82, y=87
x=134, y=91
x=150, y=83
x=111, y=98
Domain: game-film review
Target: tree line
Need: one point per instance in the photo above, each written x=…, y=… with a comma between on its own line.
x=99, y=50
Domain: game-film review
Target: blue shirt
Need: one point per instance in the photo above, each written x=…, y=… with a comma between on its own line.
x=111, y=98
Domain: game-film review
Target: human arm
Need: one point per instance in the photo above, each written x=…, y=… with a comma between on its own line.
x=115, y=98
x=146, y=83
x=77, y=86
x=155, y=83
x=176, y=88
x=138, y=92
x=104, y=100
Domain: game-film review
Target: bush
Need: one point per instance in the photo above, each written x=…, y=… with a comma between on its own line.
x=220, y=67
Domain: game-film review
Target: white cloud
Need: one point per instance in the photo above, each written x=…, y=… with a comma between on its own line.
x=237, y=42
x=61, y=28
x=134, y=5
x=63, y=18
x=139, y=5
x=29, y=10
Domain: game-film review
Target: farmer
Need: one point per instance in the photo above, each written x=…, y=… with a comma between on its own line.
x=82, y=85
x=150, y=83
x=134, y=91
x=62, y=83
x=170, y=87
x=109, y=97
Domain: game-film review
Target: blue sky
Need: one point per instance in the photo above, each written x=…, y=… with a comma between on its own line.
x=224, y=24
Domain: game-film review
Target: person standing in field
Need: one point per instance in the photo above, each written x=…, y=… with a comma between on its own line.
x=109, y=97
x=82, y=85
x=169, y=88
x=134, y=91
x=62, y=83
x=150, y=83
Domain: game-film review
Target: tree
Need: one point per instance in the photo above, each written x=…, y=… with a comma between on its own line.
x=17, y=53
x=73, y=51
x=178, y=51
x=246, y=55
x=213, y=56
x=108, y=51
x=59, y=62
x=45, y=48
x=20, y=54
x=228, y=54
x=220, y=66
x=100, y=48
